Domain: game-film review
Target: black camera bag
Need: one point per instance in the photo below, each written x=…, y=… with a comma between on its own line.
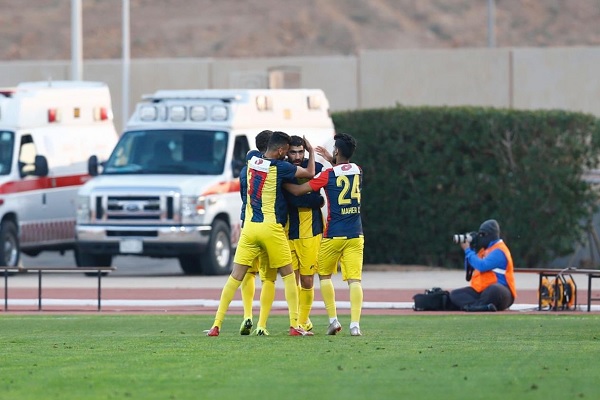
x=434, y=299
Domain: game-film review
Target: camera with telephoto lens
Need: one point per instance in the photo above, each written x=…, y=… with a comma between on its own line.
x=464, y=237
x=470, y=238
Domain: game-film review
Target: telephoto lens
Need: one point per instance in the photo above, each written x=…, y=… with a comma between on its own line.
x=463, y=238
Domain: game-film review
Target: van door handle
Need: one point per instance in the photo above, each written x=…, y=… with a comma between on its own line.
x=44, y=199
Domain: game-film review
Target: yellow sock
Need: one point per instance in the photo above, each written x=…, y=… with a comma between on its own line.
x=328, y=293
x=305, y=300
x=267, y=297
x=231, y=286
x=356, y=301
x=291, y=297
x=248, y=288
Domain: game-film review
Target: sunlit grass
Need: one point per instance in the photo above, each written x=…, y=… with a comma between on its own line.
x=484, y=356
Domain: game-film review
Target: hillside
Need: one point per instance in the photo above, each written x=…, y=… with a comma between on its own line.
x=40, y=30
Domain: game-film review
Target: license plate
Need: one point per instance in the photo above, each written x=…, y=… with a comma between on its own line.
x=131, y=246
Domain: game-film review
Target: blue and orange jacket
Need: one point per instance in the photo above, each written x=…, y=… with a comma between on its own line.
x=489, y=270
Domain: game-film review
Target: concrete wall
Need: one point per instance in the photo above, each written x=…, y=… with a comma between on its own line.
x=524, y=78
x=435, y=77
x=562, y=78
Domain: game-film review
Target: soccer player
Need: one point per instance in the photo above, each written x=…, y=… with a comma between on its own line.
x=343, y=240
x=264, y=227
x=248, y=286
x=305, y=229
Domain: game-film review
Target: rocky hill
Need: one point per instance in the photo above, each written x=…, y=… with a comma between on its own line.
x=41, y=29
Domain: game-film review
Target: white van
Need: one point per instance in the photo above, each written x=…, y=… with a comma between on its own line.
x=171, y=186
x=48, y=130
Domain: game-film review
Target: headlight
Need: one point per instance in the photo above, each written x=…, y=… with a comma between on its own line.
x=83, y=209
x=193, y=209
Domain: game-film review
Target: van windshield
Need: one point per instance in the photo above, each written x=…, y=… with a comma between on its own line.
x=186, y=152
x=7, y=144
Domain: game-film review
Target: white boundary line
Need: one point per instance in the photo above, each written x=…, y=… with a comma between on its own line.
x=235, y=303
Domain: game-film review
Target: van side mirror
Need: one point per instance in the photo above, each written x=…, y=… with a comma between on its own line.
x=41, y=166
x=93, y=165
x=236, y=167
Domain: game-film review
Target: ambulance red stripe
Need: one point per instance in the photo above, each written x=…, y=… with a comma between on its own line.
x=43, y=183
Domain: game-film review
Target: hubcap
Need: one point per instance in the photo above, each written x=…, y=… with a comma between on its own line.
x=10, y=253
x=222, y=250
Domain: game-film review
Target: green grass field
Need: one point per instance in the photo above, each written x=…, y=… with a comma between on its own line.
x=424, y=356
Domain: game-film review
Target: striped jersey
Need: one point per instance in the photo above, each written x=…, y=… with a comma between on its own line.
x=342, y=186
x=304, y=212
x=265, y=201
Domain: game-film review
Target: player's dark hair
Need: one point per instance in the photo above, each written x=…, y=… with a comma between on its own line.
x=345, y=144
x=262, y=140
x=278, y=139
x=296, y=140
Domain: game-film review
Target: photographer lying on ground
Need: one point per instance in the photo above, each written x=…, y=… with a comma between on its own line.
x=492, y=284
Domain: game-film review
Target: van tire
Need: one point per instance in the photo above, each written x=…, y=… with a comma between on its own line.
x=9, y=245
x=218, y=257
x=92, y=260
x=190, y=264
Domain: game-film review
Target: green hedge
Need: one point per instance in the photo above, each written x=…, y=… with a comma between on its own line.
x=430, y=172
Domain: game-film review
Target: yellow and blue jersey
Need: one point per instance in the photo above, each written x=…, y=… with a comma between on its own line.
x=304, y=212
x=265, y=201
x=342, y=185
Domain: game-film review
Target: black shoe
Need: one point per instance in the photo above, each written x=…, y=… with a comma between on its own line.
x=480, y=308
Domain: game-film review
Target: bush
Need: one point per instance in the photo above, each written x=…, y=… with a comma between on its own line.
x=430, y=172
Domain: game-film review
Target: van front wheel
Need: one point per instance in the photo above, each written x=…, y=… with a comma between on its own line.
x=9, y=244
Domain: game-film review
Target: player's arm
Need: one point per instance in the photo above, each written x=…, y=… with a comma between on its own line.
x=309, y=171
x=314, y=185
x=243, y=183
x=323, y=152
x=297, y=190
x=309, y=200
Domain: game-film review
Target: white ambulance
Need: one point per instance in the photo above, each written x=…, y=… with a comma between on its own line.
x=171, y=186
x=48, y=131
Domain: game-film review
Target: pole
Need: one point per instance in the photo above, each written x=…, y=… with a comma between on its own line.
x=126, y=56
x=76, y=41
x=491, y=23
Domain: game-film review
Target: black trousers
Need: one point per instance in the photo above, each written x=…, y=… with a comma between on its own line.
x=497, y=294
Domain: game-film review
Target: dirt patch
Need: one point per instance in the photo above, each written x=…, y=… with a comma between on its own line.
x=41, y=30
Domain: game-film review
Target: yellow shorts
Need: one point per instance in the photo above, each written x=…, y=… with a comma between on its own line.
x=305, y=253
x=258, y=237
x=347, y=252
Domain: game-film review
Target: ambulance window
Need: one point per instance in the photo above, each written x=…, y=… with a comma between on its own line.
x=27, y=154
x=240, y=149
x=6, y=152
x=220, y=147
